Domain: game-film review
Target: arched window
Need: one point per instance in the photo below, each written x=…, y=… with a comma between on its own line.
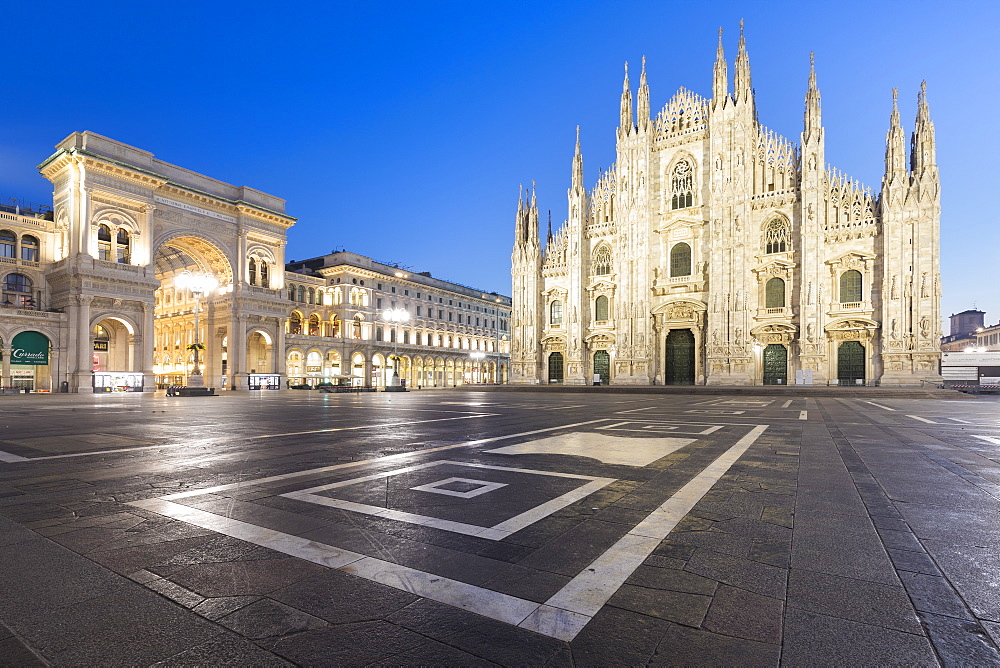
x=850, y=286
x=680, y=260
x=777, y=237
x=295, y=323
x=302, y=293
x=291, y=293
x=265, y=279
x=29, y=248
x=601, y=308
x=123, y=249
x=17, y=291
x=252, y=270
x=314, y=325
x=356, y=330
x=406, y=336
x=602, y=261
x=378, y=334
x=334, y=326
x=312, y=296
x=682, y=185
x=555, y=313
x=774, y=293
x=104, y=243
x=8, y=240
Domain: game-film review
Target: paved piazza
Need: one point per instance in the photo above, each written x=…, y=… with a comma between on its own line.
x=461, y=527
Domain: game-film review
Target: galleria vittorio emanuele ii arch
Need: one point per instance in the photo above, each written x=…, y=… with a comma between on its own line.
x=124, y=226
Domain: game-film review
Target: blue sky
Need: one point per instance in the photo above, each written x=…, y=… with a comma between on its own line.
x=401, y=130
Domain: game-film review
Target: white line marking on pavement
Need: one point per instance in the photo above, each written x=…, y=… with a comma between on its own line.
x=988, y=439
x=880, y=406
x=209, y=441
x=633, y=410
x=8, y=457
x=917, y=417
x=495, y=532
x=565, y=614
x=787, y=404
x=803, y=415
x=336, y=467
x=958, y=420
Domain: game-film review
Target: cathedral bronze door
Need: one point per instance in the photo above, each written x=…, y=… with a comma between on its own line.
x=555, y=367
x=851, y=363
x=602, y=366
x=775, y=364
x=680, y=357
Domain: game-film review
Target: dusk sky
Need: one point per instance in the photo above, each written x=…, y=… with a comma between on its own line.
x=402, y=130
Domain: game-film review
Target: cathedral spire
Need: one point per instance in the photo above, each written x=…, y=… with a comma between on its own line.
x=532, y=217
x=813, y=125
x=643, y=99
x=922, y=149
x=548, y=237
x=742, y=87
x=520, y=226
x=578, y=164
x=720, y=76
x=895, y=148
x=626, y=125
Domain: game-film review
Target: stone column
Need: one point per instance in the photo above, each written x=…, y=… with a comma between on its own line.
x=147, y=346
x=82, y=380
x=238, y=353
x=6, y=380
x=279, y=355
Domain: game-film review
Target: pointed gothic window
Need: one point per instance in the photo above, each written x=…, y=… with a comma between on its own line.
x=774, y=293
x=601, y=308
x=777, y=236
x=850, y=286
x=682, y=185
x=680, y=260
x=555, y=313
x=602, y=261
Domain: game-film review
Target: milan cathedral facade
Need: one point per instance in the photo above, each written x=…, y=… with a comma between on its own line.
x=715, y=251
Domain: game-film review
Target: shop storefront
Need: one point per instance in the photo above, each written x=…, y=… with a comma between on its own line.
x=29, y=362
x=110, y=381
x=264, y=381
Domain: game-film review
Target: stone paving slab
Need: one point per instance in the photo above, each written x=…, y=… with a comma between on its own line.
x=855, y=535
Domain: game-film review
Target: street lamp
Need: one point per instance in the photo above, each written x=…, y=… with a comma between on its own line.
x=396, y=316
x=477, y=357
x=198, y=283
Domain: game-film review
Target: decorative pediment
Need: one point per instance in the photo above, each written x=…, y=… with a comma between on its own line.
x=600, y=338
x=852, y=329
x=553, y=343
x=777, y=332
x=555, y=293
x=774, y=328
x=601, y=286
x=854, y=259
x=680, y=311
x=775, y=267
x=852, y=323
x=681, y=227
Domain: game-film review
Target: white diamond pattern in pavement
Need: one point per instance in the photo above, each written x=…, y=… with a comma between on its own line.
x=481, y=487
x=626, y=450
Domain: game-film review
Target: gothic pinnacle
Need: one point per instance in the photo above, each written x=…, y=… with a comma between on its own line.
x=625, y=126
x=643, y=101
x=813, y=119
x=720, y=76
